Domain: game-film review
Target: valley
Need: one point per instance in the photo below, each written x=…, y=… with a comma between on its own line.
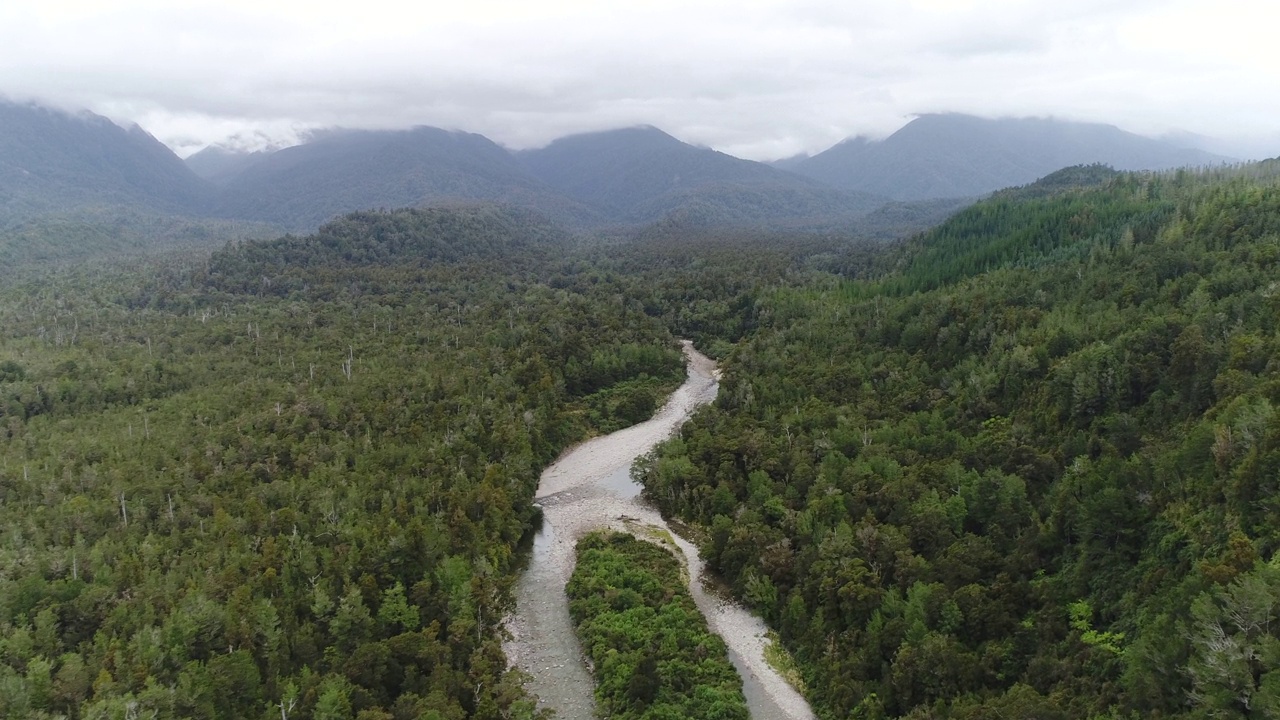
x=321, y=445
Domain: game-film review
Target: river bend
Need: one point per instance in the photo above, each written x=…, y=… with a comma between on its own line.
x=590, y=488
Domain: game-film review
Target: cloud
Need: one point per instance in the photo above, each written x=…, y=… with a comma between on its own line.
x=759, y=78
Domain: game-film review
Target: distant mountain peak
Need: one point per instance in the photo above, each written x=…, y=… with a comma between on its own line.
x=641, y=174
x=855, y=141
x=789, y=162
x=73, y=160
x=940, y=155
x=623, y=137
x=139, y=131
x=345, y=170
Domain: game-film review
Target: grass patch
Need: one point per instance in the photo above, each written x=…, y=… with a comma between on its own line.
x=782, y=661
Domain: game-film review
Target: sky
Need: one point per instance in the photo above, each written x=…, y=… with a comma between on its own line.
x=760, y=79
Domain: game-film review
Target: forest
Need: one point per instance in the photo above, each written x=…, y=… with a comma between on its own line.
x=289, y=480
x=1027, y=466
x=1024, y=464
x=653, y=655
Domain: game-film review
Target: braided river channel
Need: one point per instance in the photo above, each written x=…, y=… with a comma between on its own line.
x=590, y=488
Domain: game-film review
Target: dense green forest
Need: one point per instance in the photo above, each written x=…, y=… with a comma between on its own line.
x=1025, y=464
x=1031, y=470
x=652, y=653
x=113, y=232
x=288, y=481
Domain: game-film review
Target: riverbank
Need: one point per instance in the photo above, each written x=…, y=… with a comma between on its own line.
x=590, y=488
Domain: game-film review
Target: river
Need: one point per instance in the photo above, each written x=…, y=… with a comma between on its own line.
x=590, y=488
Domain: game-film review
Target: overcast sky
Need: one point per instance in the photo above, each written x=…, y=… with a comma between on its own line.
x=761, y=80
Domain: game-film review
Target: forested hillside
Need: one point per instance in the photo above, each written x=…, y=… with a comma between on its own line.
x=1029, y=471
x=54, y=161
x=288, y=481
x=113, y=233
x=78, y=186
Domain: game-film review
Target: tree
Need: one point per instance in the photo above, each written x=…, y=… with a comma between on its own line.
x=395, y=613
x=1235, y=662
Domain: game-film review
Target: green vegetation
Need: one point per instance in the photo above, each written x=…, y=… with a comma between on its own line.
x=782, y=662
x=289, y=481
x=1030, y=472
x=54, y=162
x=114, y=232
x=1024, y=465
x=653, y=654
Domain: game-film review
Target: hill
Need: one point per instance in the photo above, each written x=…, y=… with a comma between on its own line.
x=53, y=162
x=115, y=232
x=407, y=237
x=953, y=155
x=1031, y=471
x=303, y=186
x=641, y=174
x=243, y=505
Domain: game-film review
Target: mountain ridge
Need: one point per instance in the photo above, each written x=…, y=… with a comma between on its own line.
x=54, y=161
x=301, y=187
x=640, y=174
x=954, y=155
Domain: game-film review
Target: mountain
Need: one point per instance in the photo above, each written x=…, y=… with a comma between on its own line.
x=642, y=174
x=220, y=165
x=303, y=186
x=53, y=161
x=1257, y=147
x=953, y=155
x=788, y=163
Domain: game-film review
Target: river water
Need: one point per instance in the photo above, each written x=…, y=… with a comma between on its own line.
x=590, y=488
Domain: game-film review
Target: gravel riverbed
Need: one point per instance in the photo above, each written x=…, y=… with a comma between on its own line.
x=590, y=488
